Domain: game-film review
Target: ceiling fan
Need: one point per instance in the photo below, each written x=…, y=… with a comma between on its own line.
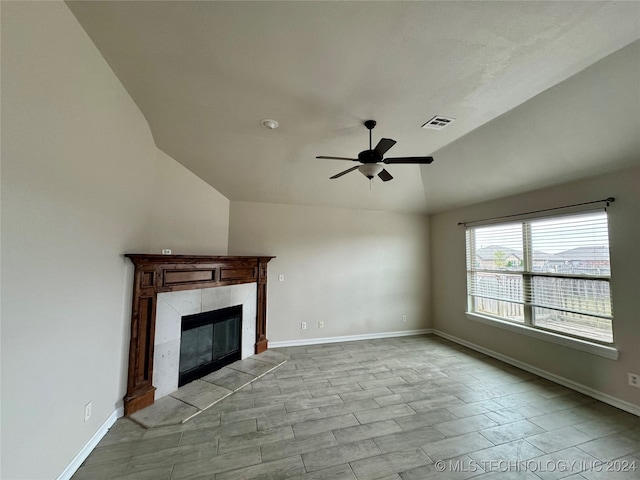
x=372, y=158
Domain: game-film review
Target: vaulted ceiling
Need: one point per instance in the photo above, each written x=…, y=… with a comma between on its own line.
x=541, y=92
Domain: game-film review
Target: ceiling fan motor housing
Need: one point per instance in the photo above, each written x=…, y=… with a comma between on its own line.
x=369, y=156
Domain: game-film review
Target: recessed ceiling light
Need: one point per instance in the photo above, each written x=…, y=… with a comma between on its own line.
x=269, y=123
x=438, y=122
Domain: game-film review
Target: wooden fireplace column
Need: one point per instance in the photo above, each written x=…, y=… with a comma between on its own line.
x=168, y=273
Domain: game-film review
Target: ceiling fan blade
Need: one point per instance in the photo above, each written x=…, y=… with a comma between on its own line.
x=338, y=158
x=344, y=173
x=419, y=160
x=383, y=145
x=385, y=176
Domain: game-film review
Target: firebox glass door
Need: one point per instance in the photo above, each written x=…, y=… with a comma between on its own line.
x=195, y=347
x=210, y=340
x=226, y=337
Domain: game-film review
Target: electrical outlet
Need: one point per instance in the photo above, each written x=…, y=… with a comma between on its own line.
x=404, y=318
x=320, y=324
x=166, y=251
x=87, y=411
x=634, y=380
x=303, y=326
x=281, y=277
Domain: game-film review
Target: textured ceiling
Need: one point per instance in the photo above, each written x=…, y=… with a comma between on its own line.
x=205, y=73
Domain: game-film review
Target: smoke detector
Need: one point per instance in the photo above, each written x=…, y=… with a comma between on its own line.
x=269, y=123
x=438, y=122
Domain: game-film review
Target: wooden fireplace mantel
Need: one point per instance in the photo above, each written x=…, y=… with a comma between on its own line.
x=168, y=273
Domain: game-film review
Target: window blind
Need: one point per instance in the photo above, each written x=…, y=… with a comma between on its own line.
x=551, y=273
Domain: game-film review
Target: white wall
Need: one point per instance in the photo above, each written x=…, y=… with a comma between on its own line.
x=82, y=183
x=449, y=283
x=358, y=271
x=189, y=217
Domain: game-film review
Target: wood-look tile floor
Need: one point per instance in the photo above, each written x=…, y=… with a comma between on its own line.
x=402, y=408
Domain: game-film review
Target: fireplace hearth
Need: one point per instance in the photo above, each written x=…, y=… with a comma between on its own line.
x=209, y=341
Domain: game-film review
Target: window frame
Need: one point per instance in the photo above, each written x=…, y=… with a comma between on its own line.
x=527, y=273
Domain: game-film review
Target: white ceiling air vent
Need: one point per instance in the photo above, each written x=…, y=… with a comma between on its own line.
x=438, y=122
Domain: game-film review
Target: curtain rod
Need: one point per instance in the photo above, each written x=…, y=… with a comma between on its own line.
x=604, y=200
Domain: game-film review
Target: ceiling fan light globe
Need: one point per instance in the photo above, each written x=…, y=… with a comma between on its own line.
x=370, y=170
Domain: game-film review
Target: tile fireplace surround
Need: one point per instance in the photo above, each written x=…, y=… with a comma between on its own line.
x=165, y=288
x=172, y=306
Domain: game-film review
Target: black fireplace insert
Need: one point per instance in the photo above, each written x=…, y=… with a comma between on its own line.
x=209, y=341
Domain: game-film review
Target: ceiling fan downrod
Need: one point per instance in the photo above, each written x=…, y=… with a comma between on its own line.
x=370, y=124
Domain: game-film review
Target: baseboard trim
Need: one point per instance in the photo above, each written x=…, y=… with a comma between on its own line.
x=88, y=448
x=348, y=338
x=578, y=387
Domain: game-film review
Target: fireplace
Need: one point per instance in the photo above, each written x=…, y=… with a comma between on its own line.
x=153, y=355
x=209, y=341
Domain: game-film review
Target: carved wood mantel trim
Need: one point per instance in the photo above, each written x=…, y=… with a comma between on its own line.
x=168, y=273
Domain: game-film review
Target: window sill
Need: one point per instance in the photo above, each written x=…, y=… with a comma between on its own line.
x=583, y=345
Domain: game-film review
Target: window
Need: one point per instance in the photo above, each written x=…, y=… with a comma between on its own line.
x=547, y=273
